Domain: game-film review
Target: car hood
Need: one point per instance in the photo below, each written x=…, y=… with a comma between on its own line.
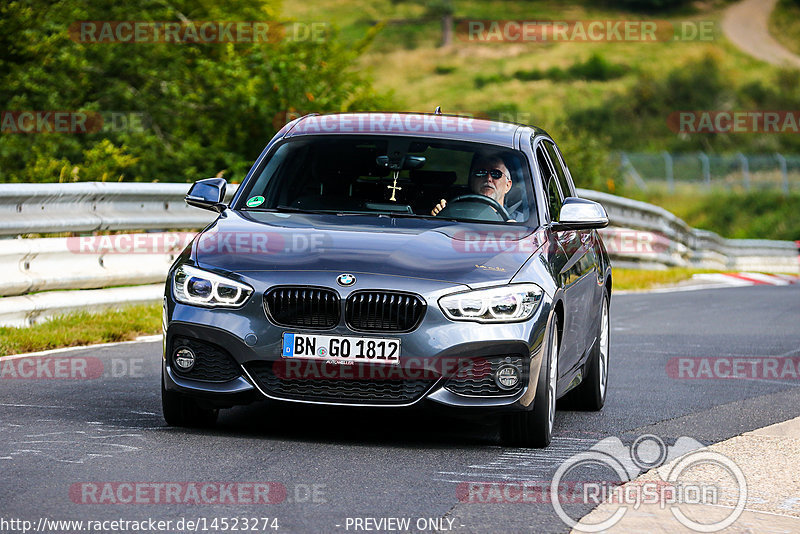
x=252, y=242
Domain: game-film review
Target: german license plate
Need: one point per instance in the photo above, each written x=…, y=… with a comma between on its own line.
x=341, y=348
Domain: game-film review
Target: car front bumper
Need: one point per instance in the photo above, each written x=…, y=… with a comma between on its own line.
x=253, y=342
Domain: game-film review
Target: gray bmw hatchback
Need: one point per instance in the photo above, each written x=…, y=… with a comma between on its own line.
x=393, y=260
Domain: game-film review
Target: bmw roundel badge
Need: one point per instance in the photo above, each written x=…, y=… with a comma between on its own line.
x=346, y=279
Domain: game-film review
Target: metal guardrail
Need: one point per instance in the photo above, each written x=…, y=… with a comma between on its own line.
x=641, y=235
x=674, y=243
x=91, y=206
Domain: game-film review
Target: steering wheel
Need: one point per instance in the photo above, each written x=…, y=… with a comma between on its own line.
x=472, y=197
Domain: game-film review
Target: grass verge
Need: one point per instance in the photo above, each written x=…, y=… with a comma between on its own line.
x=749, y=215
x=636, y=279
x=83, y=328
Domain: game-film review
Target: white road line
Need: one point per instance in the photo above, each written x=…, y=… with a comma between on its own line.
x=520, y=464
x=32, y=406
x=141, y=339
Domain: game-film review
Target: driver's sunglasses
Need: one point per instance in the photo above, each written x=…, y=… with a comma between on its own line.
x=494, y=173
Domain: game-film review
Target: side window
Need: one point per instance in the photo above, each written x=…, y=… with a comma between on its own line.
x=563, y=181
x=554, y=198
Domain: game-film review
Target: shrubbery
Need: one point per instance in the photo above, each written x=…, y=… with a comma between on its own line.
x=636, y=119
x=210, y=108
x=596, y=69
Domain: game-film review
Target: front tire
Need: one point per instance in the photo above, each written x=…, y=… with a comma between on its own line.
x=535, y=428
x=590, y=395
x=182, y=411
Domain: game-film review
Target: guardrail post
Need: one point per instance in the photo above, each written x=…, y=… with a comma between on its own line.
x=668, y=171
x=797, y=244
x=626, y=164
x=706, y=168
x=784, y=172
x=745, y=170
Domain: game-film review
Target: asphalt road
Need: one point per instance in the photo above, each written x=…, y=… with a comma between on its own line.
x=58, y=435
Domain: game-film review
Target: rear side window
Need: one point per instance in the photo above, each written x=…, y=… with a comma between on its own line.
x=554, y=198
x=563, y=180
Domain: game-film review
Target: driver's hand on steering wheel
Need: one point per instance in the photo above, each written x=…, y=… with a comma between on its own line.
x=439, y=207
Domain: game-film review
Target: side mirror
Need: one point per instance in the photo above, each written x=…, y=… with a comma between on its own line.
x=208, y=194
x=580, y=214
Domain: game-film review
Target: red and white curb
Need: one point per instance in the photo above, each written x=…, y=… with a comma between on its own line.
x=720, y=280
x=748, y=279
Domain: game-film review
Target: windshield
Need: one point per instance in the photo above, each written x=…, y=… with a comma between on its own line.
x=398, y=176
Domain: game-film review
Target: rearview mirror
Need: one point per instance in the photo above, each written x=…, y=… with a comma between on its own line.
x=398, y=162
x=580, y=214
x=208, y=194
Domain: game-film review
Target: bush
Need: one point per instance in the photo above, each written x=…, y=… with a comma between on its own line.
x=444, y=69
x=212, y=106
x=482, y=81
x=638, y=116
x=595, y=68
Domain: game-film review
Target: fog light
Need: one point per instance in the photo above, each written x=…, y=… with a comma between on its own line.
x=507, y=377
x=184, y=359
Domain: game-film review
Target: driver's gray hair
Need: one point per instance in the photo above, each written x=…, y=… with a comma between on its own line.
x=490, y=157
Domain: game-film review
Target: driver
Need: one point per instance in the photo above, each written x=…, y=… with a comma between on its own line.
x=488, y=176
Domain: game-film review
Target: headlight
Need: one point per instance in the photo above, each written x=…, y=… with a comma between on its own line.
x=515, y=302
x=202, y=288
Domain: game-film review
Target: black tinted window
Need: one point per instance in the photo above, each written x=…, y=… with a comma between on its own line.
x=406, y=176
x=560, y=171
x=554, y=198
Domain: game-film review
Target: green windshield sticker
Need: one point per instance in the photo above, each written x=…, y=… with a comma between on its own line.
x=255, y=201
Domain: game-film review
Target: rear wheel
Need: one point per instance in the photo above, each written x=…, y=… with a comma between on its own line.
x=590, y=395
x=180, y=410
x=535, y=428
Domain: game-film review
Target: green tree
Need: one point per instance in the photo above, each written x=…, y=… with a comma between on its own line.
x=207, y=108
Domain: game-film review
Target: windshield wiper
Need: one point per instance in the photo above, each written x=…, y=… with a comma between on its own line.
x=288, y=209
x=401, y=214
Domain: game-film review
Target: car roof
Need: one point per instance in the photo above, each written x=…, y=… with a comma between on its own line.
x=441, y=126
